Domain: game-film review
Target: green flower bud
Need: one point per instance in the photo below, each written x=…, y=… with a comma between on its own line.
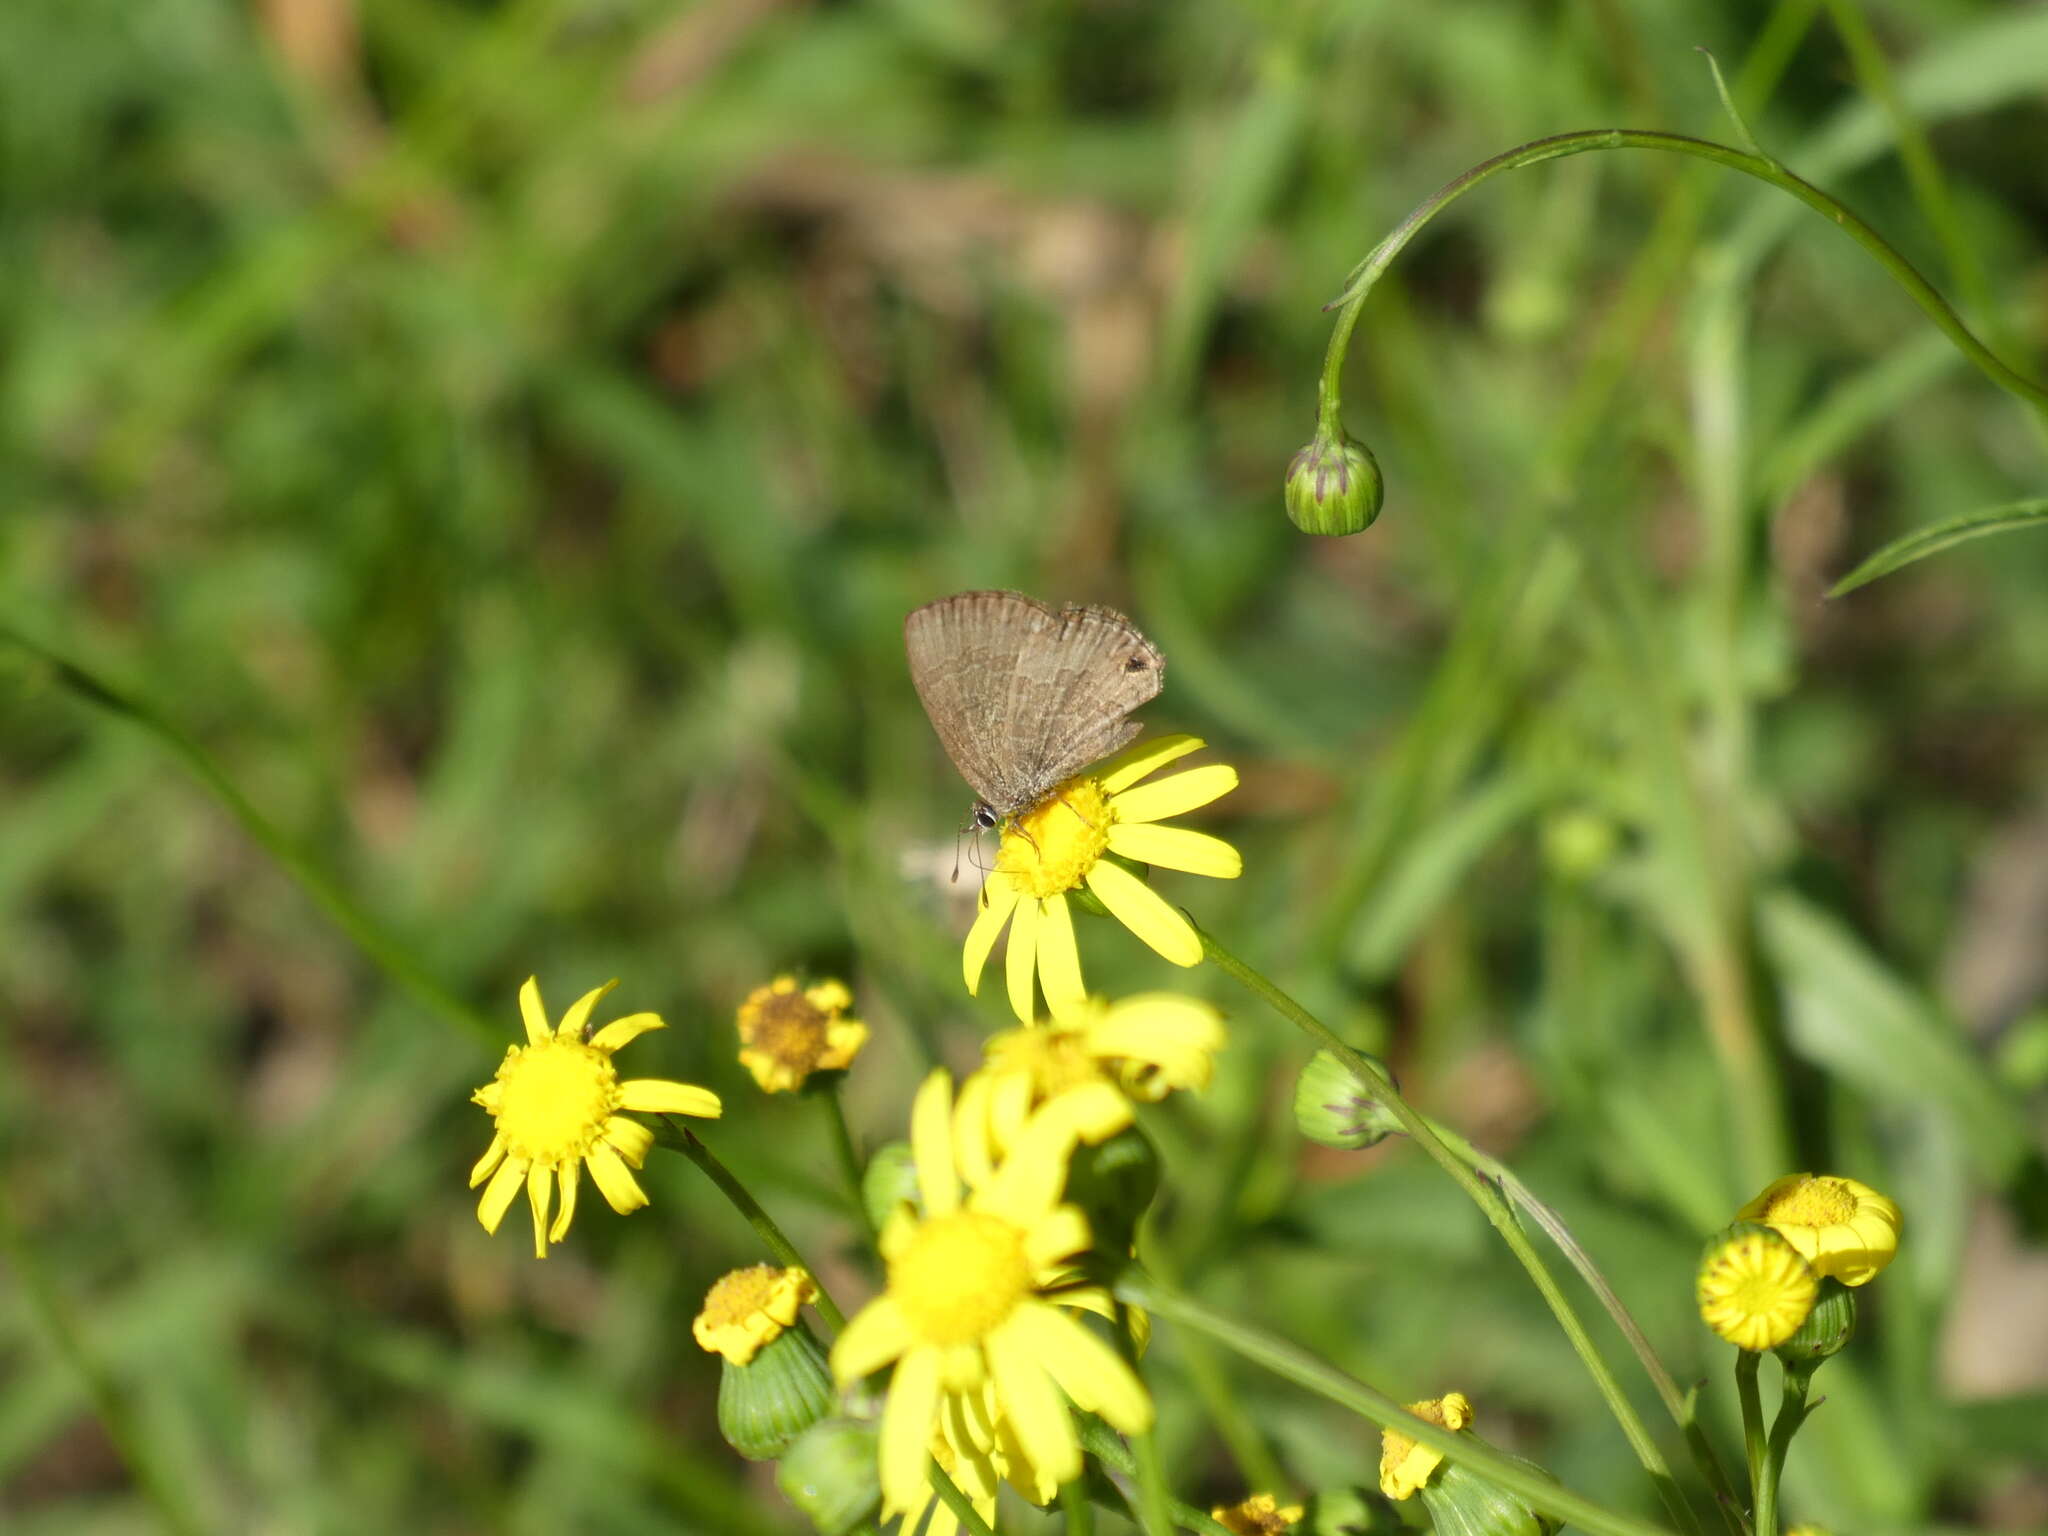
x=889, y=1181
x=1337, y=1108
x=1829, y=1326
x=764, y=1405
x=1349, y=1512
x=1462, y=1503
x=1333, y=486
x=1114, y=1182
x=831, y=1475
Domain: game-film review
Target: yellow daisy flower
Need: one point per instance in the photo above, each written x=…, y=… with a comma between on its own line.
x=1754, y=1288
x=748, y=1307
x=786, y=1034
x=967, y=1305
x=979, y=1450
x=1259, y=1515
x=1406, y=1464
x=556, y=1101
x=1145, y=1046
x=1842, y=1228
x=1059, y=845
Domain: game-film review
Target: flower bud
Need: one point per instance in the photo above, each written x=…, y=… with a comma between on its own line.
x=1462, y=1503
x=889, y=1181
x=764, y=1405
x=831, y=1475
x=1333, y=486
x=1828, y=1327
x=1337, y=1108
x=1753, y=1287
x=1114, y=1182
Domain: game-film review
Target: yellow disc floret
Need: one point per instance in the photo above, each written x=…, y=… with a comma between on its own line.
x=959, y=1276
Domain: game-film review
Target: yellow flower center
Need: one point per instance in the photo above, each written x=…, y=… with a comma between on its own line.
x=737, y=1297
x=790, y=1028
x=1051, y=847
x=1055, y=1058
x=960, y=1276
x=1818, y=1202
x=554, y=1099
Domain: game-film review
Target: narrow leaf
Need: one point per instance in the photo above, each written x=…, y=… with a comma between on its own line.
x=1934, y=538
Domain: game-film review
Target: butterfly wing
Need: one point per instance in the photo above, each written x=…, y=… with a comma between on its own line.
x=1071, y=709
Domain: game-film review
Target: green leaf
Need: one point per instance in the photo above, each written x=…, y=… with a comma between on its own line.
x=1934, y=538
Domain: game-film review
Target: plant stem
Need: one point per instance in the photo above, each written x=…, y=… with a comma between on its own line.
x=1155, y=1504
x=1310, y=1371
x=1078, y=1508
x=671, y=1132
x=1241, y=1437
x=950, y=1495
x=1792, y=1410
x=1746, y=1393
x=1902, y=271
x=849, y=1161
x=1104, y=1444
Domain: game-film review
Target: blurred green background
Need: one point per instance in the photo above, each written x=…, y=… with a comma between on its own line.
x=507, y=436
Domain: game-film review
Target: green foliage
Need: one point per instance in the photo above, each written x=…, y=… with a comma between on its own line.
x=504, y=437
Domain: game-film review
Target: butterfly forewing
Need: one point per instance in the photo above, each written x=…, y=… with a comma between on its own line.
x=1023, y=695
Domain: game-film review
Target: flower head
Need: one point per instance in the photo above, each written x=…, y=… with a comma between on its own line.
x=1754, y=1288
x=787, y=1033
x=748, y=1307
x=1143, y=1047
x=969, y=1317
x=1844, y=1229
x=1259, y=1515
x=1063, y=843
x=556, y=1101
x=1406, y=1464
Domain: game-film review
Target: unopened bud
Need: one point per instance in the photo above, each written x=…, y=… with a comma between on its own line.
x=831, y=1475
x=1828, y=1327
x=1333, y=485
x=785, y=1389
x=1335, y=1106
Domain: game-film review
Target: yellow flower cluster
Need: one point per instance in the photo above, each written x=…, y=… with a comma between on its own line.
x=1759, y=1280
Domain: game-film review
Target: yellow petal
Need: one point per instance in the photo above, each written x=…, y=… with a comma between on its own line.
x=493, y=1154
x=877, y=1335
x=540, y=1194
x=1176, y=794
x=1091, y=1112
x=1086, y=1369
x=615, y=1181
x=530, y=1010
x=658, y=1096
x=998, y=901
x=1010, y=1107
x=907, y=1426
x=567, y=1176
x=1020, y=961
x=1031, y=1402
x=500, y=1192
x=931, y=1145
x=1177, y=848
x=626, y=1030
x=630, y=1139
x=974, y=1149
x=571, y=1027
x=1145, y=912
x=1059, y=958
x=1058, y=1236
x=1142, y=758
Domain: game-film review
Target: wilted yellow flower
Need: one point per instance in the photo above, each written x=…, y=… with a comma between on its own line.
x=1844, y=1229
x=556, y=1101
x=1754, y=1288
x=748, y=1307
x=787, y=1032
x=967, y=1306
x=1406, y=1464
x=1259, y=1515
x=1144, y=1046
x=1059, y=845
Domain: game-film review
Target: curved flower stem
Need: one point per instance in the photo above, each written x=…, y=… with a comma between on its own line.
x=849, y=1163
x=1746, y=1363
x=671, y=1132
x=1922, y=292
x=1677, y=1403
x=1310, y=1371
x=950, y=1495
x=1489, y=1200
x=1155, y=1504
x=1792, y=1411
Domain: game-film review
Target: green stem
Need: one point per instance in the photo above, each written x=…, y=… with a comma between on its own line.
x=1311, y=1371
x=1489, y=1201
x=368, y=934
x=1792, y=1411
x=671, y=1132
x=1241, y=1437
x=849, y=1161
x=1922, y=292
x=1155, y=1504
x=1107, y=1447
x=110, y=1403
x=1078, y=1508
x=1746, y=1393
x=950, y=1495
